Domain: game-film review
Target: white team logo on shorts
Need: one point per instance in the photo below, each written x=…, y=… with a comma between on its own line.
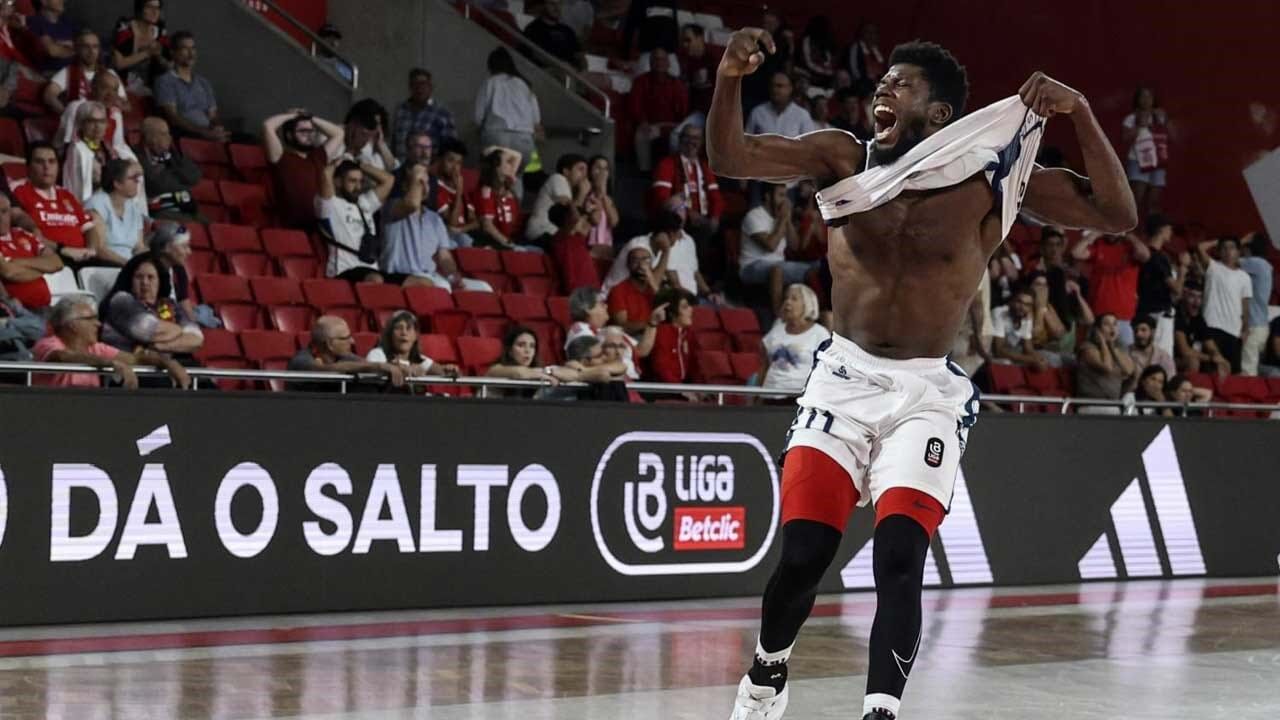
x=933, y=452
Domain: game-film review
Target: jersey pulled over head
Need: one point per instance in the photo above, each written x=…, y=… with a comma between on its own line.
x=923, y=91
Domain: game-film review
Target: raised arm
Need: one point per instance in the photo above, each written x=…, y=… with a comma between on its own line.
x=1102, y=201
x=385, y=181
x=334, y=137
x=271, y=142
x=823, y=155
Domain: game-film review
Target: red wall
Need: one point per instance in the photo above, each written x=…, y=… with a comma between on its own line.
x=311, y=13
x=1214, y=67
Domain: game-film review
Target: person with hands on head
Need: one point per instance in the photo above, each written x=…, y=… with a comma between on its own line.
x=1227, y=291
x=299, y=146
x=346, y=213
x=331, y=351
x=399, y=345
x=605, y=217
x=74, y=341
x=1103, y=366
x=904, y=269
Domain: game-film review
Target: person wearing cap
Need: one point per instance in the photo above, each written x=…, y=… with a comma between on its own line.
x=332, y=37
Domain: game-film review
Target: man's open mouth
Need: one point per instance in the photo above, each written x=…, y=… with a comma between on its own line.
x=886, y=121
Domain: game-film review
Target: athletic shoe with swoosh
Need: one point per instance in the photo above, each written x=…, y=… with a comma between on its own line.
x=758, y=702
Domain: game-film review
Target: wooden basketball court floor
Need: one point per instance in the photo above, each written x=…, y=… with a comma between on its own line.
x=1179, y=649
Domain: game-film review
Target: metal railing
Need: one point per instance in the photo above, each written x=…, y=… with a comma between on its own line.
x=720, y=392
x=316, y=41
x=570, y=74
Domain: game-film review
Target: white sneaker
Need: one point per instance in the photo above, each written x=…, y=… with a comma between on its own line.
x=759, y=702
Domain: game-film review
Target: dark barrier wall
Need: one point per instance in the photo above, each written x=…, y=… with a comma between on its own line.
x=155, y=506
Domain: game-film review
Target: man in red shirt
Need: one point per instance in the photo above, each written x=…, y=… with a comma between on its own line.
x=669, y=360
x=24, y=261
x=1115, y=262
x=57, y=213
x=299, y=148
x=451, y=200
x=631, y=301
x=689, y=174
x=657, y=103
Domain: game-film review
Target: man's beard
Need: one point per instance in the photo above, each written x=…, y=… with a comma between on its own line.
x=912, y=135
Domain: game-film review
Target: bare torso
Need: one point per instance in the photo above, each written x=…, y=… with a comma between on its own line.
x=905, y=273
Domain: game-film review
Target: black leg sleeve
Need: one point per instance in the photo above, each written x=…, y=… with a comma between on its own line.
x=898, y=563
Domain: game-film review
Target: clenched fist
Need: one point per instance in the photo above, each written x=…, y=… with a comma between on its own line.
x=1048, y=97
x=745, y=52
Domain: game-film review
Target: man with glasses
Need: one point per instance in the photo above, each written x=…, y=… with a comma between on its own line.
x=331, y=350
x=420, y=113
x=689, y=174
x=75, y=81
x=299, y=147
x=75, y=341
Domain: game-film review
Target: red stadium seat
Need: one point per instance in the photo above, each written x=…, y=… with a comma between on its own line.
x=453, y=323
x=1241, y=389
x=558, y=306
x=712, y=340
x=199, y=235
x=218, y=289
x=276, y=291
x=478, y=260
x=1007, y=379
x=292, y=318
x=550, y=340
x=356, y=318
x=15, y=171
x=40, y=128
x=748, y=342
x=300, y=268
x=246, y=201
x=424, y=301
x=1047, y=383
x=521, y=264
x=281, y=243
x=205, y=192
x=228, y=384
x=204, y=152
x=213, y=213
x=383, y=316
x=250, y=264
x=713, y=368
x=491, y=327
x=705, y=318
x=234, y=238
x=11, y=140
x=380, y=296
x=250, y=162
x=522, y=308
x=478, y=353
x=479, y=304
x=745, y=365
x=538, y=285
x=201, y=262
x=739, y=320
x=238, y=317
x=264, y=345
x=1202, y=380
x=219, y=345
x=1273, y=390
x=498, y=282
x=439, y=348
x=329, y=292
x=364, y=342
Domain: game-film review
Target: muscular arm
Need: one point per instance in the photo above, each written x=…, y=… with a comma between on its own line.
x=822, y=155
x=1103, y=201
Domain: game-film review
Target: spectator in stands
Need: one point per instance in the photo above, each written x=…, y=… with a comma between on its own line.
x=866, y=62
x=496, y=203
x=169, y=176
x=817, y=55
x=604, y=373
x=1102, y=364
x=767, y=232
x=650, y=24
x=683, y=270
x=1253, y=260
x=56, y=212
x=811, y=230
x=1196, y=349
x=139, y=312
x=420, y=113
x=606, y=217
x=781, y=115
x=75, y=81
x=74, y=341
x=1269, y=365
x=1067, y=287
x=631, y=301
x=568, y=186
x=790, y=344
x=331, y=351
x=669, y=362
x=664, y=233
x=115, y=209
x=559, y=40
x=331, y=37
x=170, y=245
x=579, y=15
x=1047, y=329
x=589, y=314
x=105, y=90
x=399, y=345
x=364, y=137
x=1180, y=389
x=187, y=99
x=851, y=114
x=657, y=103
x=519, y=361
x=507, y=111
x=1004, y=271
x=140, y=50
x=88, y=152
x=299, y=147
x=24, y=261
x=451, y=199
x=757, y=87
x=1150, y=388
x=55, y=34
x=569, y=246
x=13, y=46
x=689, y=174
x=1159, y=284
x=346, y=213
x=1144, y=352
x=415, y=250
x=697, y=67
x=1146, y=132
x=1011, y=326
x=1114, y=262
x=1227, y=291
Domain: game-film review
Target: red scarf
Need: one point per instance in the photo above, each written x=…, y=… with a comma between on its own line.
x=77, y=83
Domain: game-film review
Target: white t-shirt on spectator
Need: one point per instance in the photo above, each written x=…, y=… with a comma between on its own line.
x=791, y=122
x=346, y=228
x=505, y=102
x=556, y=186
x=684, y=262
x=377, y=355
x=759, y=222
x=1002, y=327
x=642, y=65
x=60, y=79
x=1225, y=291
x=368, y=155
x=791, y=356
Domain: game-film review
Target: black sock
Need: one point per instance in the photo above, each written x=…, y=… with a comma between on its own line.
x=768, y=675
x=898, y=564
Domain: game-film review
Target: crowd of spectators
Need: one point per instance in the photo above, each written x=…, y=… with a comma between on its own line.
x=390, y=199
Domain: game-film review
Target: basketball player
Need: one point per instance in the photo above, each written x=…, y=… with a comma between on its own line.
x=884, y=414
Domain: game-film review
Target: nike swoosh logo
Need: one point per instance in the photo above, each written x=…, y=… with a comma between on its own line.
x=922, y=506
x=907, y=661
